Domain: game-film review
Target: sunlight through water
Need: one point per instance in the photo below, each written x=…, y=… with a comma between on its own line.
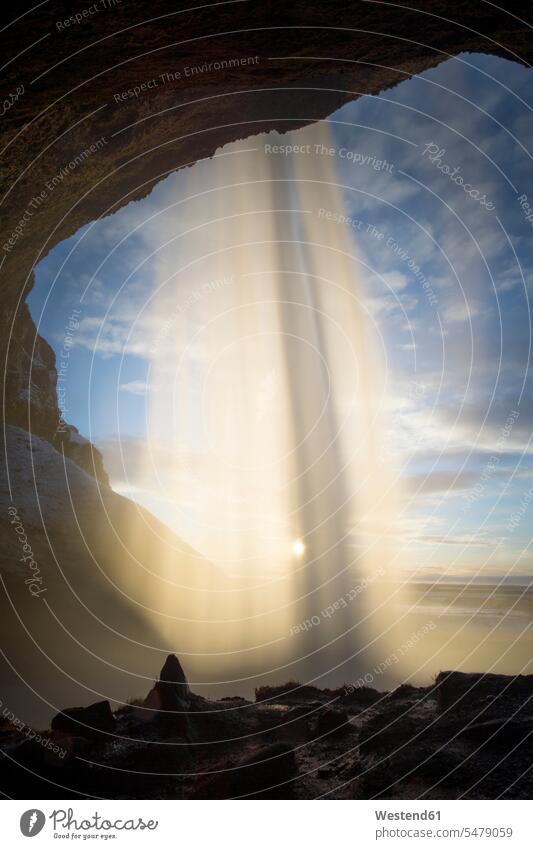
x=264, y=404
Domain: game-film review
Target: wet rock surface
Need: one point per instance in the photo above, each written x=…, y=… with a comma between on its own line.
x=399, y=745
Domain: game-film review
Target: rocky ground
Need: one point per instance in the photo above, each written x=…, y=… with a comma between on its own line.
x=466, y=736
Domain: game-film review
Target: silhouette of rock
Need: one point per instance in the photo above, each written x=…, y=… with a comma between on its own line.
x=351, y=695
x=86, y=721
x=460, y=690
x=290, y=693
x=168, y=701
x=406, y=691
x=172, y=686
x=406, y=747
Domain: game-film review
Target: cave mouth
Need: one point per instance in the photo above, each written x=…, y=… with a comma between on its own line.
x=169, y=323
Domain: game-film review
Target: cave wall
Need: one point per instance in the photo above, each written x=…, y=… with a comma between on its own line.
x=66, y=89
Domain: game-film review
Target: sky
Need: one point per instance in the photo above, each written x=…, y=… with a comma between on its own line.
x=433, y=180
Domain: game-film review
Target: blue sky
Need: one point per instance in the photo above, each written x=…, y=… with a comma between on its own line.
x=448, y=275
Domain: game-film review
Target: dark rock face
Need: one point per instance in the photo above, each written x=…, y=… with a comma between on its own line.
x=172, y=685
x=82, y=452
x=85, y=721
x=31, y=382
x=457, y=690
x=31, y=377
x=31, y=390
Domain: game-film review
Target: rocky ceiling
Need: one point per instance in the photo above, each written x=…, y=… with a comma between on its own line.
x=129, y=90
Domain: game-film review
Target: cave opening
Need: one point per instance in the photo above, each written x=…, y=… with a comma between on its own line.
x=283, y=356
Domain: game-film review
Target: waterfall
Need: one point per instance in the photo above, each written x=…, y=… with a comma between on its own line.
x=266, y=391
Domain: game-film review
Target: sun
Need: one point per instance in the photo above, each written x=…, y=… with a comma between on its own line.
x=298, y=548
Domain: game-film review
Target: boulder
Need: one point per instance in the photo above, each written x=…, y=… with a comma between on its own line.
x=462, y=690
x=87, y=721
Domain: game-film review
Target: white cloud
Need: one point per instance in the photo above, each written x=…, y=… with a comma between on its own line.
x=395, y=280
x=461, y=310
x=135, y=387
